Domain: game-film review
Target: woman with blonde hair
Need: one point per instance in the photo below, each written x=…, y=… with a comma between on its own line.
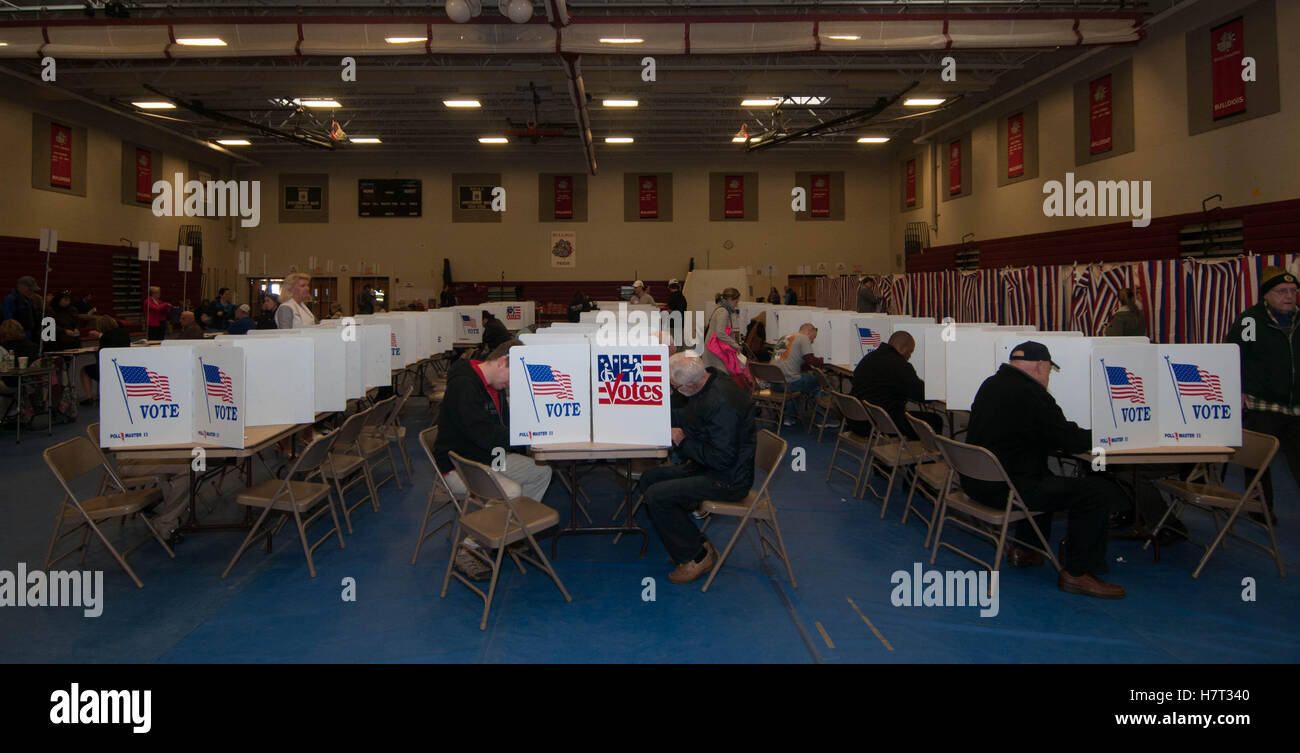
x=156, y=312
x=295, y=294
x=1129, y=320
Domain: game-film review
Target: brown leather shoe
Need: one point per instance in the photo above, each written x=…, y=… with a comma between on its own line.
x=1088, y=585
x=689, y=571
x=1024, y=557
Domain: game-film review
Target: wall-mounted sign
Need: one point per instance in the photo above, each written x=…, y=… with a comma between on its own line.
x=388, y=197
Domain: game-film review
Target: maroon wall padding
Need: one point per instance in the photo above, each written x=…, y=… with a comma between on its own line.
x=1273, y=227
x=88, y=267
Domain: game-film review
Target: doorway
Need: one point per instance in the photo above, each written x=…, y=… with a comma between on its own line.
x=324, y=293
x=380, y=286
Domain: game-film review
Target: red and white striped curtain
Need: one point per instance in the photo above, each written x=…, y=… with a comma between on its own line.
x=838, y=293
x=1214, y=299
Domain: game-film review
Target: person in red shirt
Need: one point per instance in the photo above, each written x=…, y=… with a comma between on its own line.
x=155, y=313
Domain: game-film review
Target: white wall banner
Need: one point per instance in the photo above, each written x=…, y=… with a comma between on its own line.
x=1125, y=396
x=563, y=249
x=219, y=396
x=1200, y=395
x=630, y=393
x=146, y=396
x=550, y=393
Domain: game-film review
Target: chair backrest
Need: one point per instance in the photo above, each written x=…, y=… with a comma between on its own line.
x=972, y=461
x=479, y=480
x=311, y=458
x=823, y=380
x=767, y=458
x=74, y=458
x=396, y=414
x=1256, y=451
x=766, y=372
x=347, y=434
x=92, y=433
x=925, y=433
x=884, y=423
x=850, y=407
x=429, y=438
x=378, y=415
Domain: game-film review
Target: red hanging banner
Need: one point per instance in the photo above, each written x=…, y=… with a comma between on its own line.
x=1099, y=115
x=1227, y=46
x=733, y=197
x=60, y=156
x=143, y=175
x=821, y=196
x=564, y=197
x=954, y=168
x=1016, y=145
x=910, y=196
x=649, y=196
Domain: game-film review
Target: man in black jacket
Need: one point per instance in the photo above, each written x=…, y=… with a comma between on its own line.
x=676, y=312
x=474, y=420
x=714, y=432
x=884, y=377
x=1270, y=368
x=1016, y=418
x=494, y=331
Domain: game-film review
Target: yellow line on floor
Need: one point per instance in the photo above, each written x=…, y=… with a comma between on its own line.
x=873, y=627
x=825, y=637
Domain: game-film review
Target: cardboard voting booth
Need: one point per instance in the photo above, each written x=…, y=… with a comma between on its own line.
x=970, y=359
x=792, y=318
x=1200, y=395
x=331, y=369
x=852, y=336
x=219, y=414
x=550, y=393
x=402, y=332
x=1125, y=396
x=514, y=314
x=630, y=394
x=285, y=390
x=443, y=329
x=376, y=354
x=146, y=396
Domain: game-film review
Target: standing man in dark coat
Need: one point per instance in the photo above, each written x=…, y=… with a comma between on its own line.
x=676, y=311
x=714, y=432
x=1270, y=369
x=884, y=377
x=1016, y=418
x=366, y=299
x=868, y=301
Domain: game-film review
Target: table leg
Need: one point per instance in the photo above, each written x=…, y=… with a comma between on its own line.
x=573, y=528
x=49, y=403
x=18, y=419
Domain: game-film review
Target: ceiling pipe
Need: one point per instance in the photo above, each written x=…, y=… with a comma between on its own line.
x=1055, y=72
x=557, y=13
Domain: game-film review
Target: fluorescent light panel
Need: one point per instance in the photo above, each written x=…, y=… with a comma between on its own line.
x=202, y=41
x=233, y=142
x=405, y=40
x=461, y=103
x=844, y=37
x=154, y=105
x=620, y=103
x=618, y=139
x=493, y=140
x=316, y=102
x=923, y=102
x=365, y=140
x=759, y=102
x=621, y=40
x=873, y=140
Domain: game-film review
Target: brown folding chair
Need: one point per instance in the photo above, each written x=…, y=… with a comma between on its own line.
x=377, y=449
x=440, y=495
x=851, y=409
x=347, y=462
x=770, y=398
x=1255, y=454
x=74, y=458
x=393, y=431
x=825, y=402
x=929, y=476
x=294, y=499
x=501, y=522
x=756, y=506
x=890, y=452
x=978, y=463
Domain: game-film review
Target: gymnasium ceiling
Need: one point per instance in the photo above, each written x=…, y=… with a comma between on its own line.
x=787, y=51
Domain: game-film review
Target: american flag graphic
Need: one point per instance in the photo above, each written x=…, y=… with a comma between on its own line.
x=1124, y=384
x=550, y=382
x=514, y=312
x=650, y=364
x=392, y=336
x=217, y=383
x=1193, y=381
x=868, y=338
x=141, y=382
x=468, y=320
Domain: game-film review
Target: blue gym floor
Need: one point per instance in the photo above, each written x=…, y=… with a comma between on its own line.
x=269, y=610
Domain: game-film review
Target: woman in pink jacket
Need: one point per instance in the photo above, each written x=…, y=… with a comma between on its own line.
x=155, y=313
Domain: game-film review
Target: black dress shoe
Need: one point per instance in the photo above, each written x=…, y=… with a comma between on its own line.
x=1024, y=557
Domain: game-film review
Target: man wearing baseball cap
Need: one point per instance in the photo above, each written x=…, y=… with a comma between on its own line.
x=1270, y=368
x=640, y=294
x=1016, y=418
x=19, y=305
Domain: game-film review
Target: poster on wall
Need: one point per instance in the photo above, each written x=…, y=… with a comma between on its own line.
x=733, y=197
x=820, y=201
x=60, y=156
x=550, y=393
x=954, y=168
x=1227, y=46
x=1100, y=116
x=1016, y=145
x=303, y=198
x=564, y=248
x=648, y=196
x=910, y=193
x=630, y=395
x=143, y=175
x=564, y=197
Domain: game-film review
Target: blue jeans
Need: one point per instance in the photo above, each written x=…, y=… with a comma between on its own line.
x=806, y=383
x=672, y=492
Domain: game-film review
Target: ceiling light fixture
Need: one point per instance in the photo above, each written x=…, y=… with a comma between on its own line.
x=493, y=140
x=618, y=139
x=316, y=102
x=923, y=102
x=759, y=102
x=873, y=140
x=154, y=105
x=365, y=140
x=405, y=40
x=202, y=41
x=234, y=142
x=461, y=103
x=620, y=103
x=844, y=37
x=621, y=40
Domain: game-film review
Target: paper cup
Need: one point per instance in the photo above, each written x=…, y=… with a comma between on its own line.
x=22, y=362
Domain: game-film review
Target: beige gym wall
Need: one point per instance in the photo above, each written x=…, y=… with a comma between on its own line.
x=1249, y=163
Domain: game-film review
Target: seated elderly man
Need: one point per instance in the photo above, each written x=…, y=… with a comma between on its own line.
x=714, y=435
x=190, y=329
x=885, y=377
x=1016, y=418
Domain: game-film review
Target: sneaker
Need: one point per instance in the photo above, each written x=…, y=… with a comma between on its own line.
x=469, y=566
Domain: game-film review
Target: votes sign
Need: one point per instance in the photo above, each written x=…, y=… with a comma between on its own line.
x=631, y=392
x=626, y=379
